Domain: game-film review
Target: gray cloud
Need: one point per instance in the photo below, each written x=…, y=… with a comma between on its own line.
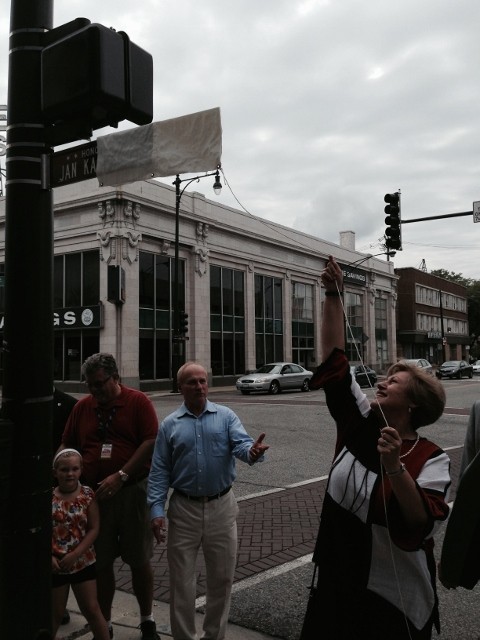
x=326, y=106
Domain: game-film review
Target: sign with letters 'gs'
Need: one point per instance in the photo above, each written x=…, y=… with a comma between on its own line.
x=90, y=317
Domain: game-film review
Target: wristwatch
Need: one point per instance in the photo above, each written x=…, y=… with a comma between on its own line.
x=124, y=476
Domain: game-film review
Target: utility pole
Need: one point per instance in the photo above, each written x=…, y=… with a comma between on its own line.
x=26, y=425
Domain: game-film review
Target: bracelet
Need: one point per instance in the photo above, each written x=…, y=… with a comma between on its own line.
x=334, y=293
x=397, y=472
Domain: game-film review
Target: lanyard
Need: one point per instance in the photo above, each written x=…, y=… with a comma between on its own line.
x=104, y=426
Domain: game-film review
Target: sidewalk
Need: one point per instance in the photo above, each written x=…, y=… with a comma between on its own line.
x=126, y=621
x=273, y=529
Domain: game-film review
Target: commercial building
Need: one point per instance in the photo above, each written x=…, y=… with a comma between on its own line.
x=432, y=317
x=251, y=288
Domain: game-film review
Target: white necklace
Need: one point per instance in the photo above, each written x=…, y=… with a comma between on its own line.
x=411, y=448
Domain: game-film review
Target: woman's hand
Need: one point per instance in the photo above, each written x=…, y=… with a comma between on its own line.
x=389, y=446
x=332, y=276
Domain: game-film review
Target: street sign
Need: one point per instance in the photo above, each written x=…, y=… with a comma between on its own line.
x=74, y=164
x=476, y=211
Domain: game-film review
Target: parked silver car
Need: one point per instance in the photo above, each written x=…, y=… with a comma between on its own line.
x=275, y=377
x=476, y=367
x=421, y=363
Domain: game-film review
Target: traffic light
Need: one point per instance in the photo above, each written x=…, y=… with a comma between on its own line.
x=393, y=232
x=183, y=323
x=115, y=284
x=94, y=76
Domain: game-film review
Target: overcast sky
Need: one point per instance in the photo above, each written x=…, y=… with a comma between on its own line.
x=326, y=106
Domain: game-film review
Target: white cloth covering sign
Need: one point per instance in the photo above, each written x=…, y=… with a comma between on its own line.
x=186, y=144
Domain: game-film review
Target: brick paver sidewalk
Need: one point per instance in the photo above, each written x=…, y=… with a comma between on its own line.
x=272, y=529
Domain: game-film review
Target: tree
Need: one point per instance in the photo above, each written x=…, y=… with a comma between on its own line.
x=452, y=277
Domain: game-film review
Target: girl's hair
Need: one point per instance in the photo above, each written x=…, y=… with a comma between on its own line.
x=425, y=391
x=65, y=453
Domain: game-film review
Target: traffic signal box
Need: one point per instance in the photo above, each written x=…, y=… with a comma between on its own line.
x=94, y=77
x=116, y=284
x=183, y=323
x=393, y=232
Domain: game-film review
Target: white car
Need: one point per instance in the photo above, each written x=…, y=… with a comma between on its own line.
x=476, y=367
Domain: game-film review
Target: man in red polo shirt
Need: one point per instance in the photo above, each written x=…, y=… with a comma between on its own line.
x=114, y=428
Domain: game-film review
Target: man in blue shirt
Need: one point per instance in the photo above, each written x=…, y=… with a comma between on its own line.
x=194, y=455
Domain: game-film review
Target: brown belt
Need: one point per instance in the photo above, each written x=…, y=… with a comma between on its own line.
x=204, y=498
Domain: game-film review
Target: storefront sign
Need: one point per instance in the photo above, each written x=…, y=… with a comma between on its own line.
x=73, y=318
x=78, y=317
x=354, y=276
x=435, y=335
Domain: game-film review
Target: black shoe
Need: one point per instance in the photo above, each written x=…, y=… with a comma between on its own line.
x=149, y=630
x=65, y=617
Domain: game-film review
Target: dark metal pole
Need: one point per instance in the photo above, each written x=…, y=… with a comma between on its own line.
x=179, y=340
x=445, y=215
x=176, y=342
x=441, y=324
x=26, y=441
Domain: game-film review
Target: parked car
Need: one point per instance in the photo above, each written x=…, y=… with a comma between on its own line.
x=476, y=367
x=421, y=363
x=275, y=377
x=455, y=369
x=365, y=376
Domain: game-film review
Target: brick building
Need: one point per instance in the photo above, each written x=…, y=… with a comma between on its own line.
x=432, y=317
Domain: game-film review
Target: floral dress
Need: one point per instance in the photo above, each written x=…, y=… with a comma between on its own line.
x=69, y=526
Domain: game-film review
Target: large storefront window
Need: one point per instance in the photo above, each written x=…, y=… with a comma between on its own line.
x=381, y=341
x=156, y=280
x=303, y=343
x=355, y=335
x=268, y=320
x=76, y=302
x=227, y=321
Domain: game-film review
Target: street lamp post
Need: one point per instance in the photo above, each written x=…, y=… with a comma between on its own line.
x=444, y=339
x=178, y=338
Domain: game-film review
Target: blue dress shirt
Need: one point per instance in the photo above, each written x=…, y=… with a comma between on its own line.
x=196, y=454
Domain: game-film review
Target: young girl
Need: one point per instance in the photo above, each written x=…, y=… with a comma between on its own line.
x=76, y=523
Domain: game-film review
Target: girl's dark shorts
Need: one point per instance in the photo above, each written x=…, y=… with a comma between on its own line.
x=89, y=573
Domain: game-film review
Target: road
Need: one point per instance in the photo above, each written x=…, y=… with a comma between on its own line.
x=301, y=434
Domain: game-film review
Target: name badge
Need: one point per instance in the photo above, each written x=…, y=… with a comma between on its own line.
x=106, y=451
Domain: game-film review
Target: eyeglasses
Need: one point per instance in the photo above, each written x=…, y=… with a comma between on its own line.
x=97, y=384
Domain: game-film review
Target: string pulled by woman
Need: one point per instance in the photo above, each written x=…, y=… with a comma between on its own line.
x=386, y=496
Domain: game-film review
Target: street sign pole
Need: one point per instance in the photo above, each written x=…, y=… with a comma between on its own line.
x=26, y=424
